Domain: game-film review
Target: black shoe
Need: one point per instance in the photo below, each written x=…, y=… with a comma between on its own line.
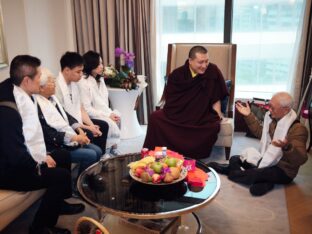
x=219, y=167
x=69, y=209
x=75, y=194
x=50, y=230
x=260, y=189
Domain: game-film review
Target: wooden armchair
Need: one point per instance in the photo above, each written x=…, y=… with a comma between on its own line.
x=224, y=56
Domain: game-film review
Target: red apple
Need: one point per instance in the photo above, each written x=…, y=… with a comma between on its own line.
x=138, y=171
x=156, y=178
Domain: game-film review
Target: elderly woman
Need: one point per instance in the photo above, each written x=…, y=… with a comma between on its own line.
x=60, y=129
x=94, y=97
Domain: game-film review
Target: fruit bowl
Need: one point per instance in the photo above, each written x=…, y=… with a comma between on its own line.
x=182, y=176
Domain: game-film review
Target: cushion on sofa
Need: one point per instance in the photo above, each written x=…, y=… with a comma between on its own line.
x=13, y=203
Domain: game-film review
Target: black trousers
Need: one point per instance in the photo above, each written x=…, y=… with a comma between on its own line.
x=252, y=175
x=101, y=140
x=56, y=181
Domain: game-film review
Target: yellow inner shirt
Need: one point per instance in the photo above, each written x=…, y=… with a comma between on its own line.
x=193, y=73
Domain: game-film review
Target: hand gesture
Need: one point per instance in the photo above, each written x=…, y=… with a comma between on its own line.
x=50, y=161
x=244, y=110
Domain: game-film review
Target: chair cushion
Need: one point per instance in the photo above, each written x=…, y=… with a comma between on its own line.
x=226, y=127
x=224, y=141
x=225, y=136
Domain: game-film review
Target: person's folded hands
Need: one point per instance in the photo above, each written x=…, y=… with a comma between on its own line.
x=50, y=161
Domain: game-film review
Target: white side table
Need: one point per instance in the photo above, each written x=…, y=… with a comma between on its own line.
x=124, y=102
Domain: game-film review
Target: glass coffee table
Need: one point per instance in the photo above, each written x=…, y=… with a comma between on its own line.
x=108, y=186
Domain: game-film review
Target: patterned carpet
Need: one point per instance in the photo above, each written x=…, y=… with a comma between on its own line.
x=233, y=211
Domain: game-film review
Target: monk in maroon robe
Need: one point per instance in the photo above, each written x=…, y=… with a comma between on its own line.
x=190, y=120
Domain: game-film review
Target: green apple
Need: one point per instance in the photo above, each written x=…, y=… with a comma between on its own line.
x=157, y=167
x=171, y=162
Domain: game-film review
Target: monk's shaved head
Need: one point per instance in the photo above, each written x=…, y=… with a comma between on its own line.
x=197, y=49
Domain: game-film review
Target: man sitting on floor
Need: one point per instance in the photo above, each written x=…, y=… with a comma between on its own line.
x=25, y=164
x=190, y=120
x=282, y=148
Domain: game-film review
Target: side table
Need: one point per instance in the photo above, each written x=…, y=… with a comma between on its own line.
x=124, y=102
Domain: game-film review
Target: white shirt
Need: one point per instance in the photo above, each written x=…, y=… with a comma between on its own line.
x=69, y=97
x=94, y=97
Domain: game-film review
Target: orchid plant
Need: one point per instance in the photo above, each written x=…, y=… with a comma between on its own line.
x=123, y=76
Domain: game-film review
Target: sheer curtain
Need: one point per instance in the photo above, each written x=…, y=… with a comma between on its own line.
x=103, y=25
x=299, y=52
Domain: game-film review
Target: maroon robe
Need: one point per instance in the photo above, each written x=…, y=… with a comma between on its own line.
x=187, y=123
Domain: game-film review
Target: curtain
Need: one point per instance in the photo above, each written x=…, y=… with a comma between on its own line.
x=298, y=62
x=307, y=70
x=103, y=25
x=93, y=19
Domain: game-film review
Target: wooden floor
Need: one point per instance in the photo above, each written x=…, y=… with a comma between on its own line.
x=299, y=200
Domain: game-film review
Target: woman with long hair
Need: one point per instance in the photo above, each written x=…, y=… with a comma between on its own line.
x=94, y=97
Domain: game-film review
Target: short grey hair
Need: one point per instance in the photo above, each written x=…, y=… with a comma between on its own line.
x=284, y=99
x=45, y=74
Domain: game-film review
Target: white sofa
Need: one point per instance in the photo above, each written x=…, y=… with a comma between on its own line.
x=13, y=203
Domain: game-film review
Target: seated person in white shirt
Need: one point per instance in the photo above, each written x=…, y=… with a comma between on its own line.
x=25, y=165
x=67, y=92
x=58, y=126
x=94, y=98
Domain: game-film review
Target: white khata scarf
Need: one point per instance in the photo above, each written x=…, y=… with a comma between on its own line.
x=269, y=154
x=54, y=118
x=71, y=97
x=32, y=130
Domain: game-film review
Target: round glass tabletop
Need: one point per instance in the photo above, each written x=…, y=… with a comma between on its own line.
x=107, y=185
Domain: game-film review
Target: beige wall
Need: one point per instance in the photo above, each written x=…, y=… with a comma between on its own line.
x=42, y=28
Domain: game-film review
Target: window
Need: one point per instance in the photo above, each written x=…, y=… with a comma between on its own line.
x=186, y=21
x=265, y=32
